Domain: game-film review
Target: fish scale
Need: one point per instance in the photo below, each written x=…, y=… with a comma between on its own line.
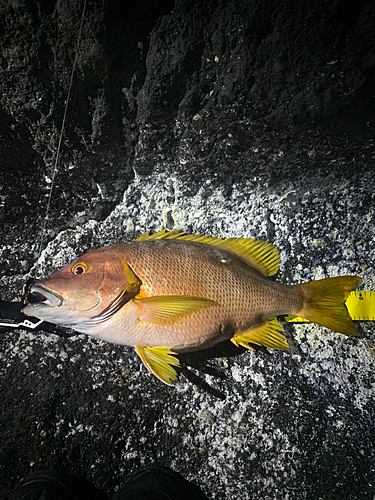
x=211, y=273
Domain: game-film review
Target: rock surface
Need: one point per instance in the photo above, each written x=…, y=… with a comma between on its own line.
x=237, y=118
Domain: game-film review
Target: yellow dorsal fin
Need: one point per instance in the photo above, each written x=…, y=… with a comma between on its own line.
x=163, y=234
x=260, y=255
x=160, y=362
x=169, y=309
x=267, y=334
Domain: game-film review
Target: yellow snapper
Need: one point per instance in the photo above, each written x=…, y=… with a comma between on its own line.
x=172, y=292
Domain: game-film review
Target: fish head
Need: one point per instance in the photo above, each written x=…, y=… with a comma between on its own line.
x=94, y=286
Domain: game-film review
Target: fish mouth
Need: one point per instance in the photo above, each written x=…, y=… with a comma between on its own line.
x=39, y=295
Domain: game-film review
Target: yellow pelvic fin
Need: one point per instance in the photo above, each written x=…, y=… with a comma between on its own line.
x=324, y=303
x=159, y=361
x=169, y=309
x=267, y=334
x=261, y=255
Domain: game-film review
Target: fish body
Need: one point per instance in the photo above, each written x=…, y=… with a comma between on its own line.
x=171, y=292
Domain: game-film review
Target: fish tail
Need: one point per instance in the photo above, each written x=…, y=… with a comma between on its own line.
x=324, y=303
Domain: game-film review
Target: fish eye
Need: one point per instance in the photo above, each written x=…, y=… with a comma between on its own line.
x=80, y=268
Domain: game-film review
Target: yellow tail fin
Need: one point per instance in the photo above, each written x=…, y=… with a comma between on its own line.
x=324, y=303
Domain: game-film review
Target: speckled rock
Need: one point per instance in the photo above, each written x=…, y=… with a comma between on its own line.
x=288, y=419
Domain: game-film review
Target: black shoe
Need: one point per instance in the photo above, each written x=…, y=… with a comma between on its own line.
x=158, y=483
x=54, y=486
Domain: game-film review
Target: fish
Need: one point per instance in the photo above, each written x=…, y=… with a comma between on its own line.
x=171, y=292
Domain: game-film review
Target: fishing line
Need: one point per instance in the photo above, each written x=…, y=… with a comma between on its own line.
x=44, y=227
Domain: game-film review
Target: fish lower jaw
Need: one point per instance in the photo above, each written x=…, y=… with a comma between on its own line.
x=51, y=314
x=43, y=311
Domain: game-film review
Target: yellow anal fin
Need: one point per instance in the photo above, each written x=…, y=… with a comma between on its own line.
x=169, y=309
x=267, y=334
x=159, y=361
x=291, y=318
x=261, y=255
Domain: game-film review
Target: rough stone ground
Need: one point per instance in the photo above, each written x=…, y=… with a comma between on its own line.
x=226, y=118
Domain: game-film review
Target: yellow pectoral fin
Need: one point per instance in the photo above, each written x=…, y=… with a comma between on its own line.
x=267, y=334
x=160, y=362
x=169, y=309
x=133, y=279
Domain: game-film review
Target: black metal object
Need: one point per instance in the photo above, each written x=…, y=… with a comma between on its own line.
x=11, y=317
